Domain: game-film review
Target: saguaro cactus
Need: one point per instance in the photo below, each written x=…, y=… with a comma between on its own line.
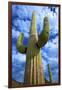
x=33, y=68
x=50, y=74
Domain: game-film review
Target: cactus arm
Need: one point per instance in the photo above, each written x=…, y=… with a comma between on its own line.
x=44, y=35
x=20, y=47
x=50, y=74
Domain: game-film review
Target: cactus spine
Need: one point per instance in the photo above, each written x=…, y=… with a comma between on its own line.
x=33, y=68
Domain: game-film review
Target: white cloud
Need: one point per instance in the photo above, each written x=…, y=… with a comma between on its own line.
x=19, y=57
x=15, y=33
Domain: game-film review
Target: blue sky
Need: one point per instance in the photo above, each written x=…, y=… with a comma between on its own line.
x=21, y=19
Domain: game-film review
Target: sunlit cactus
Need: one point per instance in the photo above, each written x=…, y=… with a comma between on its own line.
x=50, y=74
x=34, y=69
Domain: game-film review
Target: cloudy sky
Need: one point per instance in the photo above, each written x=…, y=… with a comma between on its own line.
x=21, y=19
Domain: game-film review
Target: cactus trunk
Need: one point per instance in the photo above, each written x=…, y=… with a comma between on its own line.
x=50, y=74
x=33, y=71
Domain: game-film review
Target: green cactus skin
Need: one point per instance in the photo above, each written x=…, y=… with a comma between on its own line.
x=50, y=74
x=34, y=69
x=44, y=35
x=20, y=47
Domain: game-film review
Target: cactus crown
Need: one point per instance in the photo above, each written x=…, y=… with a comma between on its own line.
x=33, y=28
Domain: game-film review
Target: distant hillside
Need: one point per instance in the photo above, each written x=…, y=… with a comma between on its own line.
x=16, y=84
